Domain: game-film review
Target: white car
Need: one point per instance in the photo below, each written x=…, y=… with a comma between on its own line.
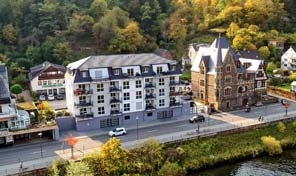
x=42, y=98
x=117, y=132
x=50, y=97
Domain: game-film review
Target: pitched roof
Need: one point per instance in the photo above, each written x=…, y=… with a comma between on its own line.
x=36, y=70
x=120, y=60
x=250, y=54
x=254, y=64
x=196, y=46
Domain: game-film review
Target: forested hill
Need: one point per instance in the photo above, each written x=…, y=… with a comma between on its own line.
x=61, y=31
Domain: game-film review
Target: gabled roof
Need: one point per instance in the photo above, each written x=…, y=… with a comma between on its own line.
x=38, y=69
x=196, y=46
x=250, y=54
x=163, y=53
x=255, y=64
x=121, y=60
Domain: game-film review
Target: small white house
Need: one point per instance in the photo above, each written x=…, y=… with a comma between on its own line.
x=293, y=86
x=288, y=59
x=48, y=78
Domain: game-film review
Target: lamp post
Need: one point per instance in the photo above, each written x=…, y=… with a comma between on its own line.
x=41, y=152
x=287, y=105
x=197, y=119
x=137, y=118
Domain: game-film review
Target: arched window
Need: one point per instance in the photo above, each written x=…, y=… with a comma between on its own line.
x=240, y=89
x=227, y=91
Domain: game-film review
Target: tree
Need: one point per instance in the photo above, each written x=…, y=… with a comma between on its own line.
x=96, y=163
x=78, y=168
x=171, y=169
x=16, y=89
x=9, y=33
x=4, y=59
x=232, y=30
x=34, y=54
x=281, y=127
x=98, y=8
x=270, y=67
x=265, y=53
x=271, y=145
x=62, y=52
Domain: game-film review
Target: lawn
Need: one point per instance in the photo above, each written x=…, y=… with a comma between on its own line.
x=284, y=86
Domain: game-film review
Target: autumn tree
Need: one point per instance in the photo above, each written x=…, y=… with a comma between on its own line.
x=171, y=169
x=78, y=168
x=9, y=34
x=265, y=53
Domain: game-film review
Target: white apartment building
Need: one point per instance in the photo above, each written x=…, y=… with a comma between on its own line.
x=112, y=90
x=47, y=78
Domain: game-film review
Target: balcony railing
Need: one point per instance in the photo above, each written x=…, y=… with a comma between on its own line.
x=115, y=112
x=150, y=96
x=78, y=92
x=51, y=76
x=87, y=115
x=115, y=100
x=173, y=93
x=115, y=89
x=175, y=83
x=175, y=104
x=150, y=85
x=150, y=108
x=83, y=104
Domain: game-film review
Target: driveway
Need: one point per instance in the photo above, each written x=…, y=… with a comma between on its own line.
x=58, y=104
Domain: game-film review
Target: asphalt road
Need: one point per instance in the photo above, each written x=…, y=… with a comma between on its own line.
x=30, y=152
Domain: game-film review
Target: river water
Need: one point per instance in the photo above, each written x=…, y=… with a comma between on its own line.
x=284, y=165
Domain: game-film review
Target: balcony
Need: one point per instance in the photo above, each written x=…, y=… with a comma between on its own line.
x=51, y=76
x=150, y=85
x=115, y=112
x=175, y=104
x=83, y=104
x=115, y=100
x=150, y=96
x=150, y=108
x=78, y=92
x=115, y=89
x=173, y=93
x=175, y=83
x=86, y=115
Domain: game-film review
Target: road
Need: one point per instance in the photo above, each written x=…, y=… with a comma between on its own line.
x=31, y=152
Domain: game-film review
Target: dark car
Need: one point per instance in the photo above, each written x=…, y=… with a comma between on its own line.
x=198, y=118
x=60, y=97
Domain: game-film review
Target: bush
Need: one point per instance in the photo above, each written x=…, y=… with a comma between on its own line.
x=281, y=127
x=58, y=168
x=271, y=145
x=171, y=169
x=294, y=123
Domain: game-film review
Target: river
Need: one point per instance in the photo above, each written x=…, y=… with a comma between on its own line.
x=284, y=165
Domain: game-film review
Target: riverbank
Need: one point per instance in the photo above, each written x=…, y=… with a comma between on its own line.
x=207, y=152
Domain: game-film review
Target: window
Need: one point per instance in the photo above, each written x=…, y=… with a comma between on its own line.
x=130, y=72
x=101, y=99
x=138, y=94
x=149, y=114
x=84, y=74
x=228, y=68
x=44, y=83
x=172, y=67
x=126, y=107
x=100, y=87
x=145, y=69
x=227, y=91
x=39, y=83
x=259, y=84
x=159, y=70
x=98, y=74
x=101, y=110
x=127, y=117
x=125, y=85
x=263, y=83
x=82, y=99
x=126, y=96
x=1, y=109
x=228, y=79
x=138, y=83
x=161, y=82
x=116, y=71
x=161, y=102
x=172, y=79
x=139, y=105
x=83, y=111
x=161, y=92
x=202, y=82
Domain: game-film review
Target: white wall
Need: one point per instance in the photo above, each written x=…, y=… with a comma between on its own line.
x=35, y=86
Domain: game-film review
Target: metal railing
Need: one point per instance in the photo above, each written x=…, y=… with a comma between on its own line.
x=150, y=96
x=83, y=104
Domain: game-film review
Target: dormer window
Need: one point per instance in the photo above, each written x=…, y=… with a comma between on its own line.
x=159, y=70
x=145, y=69
x=84, y=74
x=173, y=67
x=116, y=71
x=247, y=65
x=130, y=72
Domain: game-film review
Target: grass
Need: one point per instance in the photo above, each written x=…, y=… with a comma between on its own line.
x=186, y=76
x=284, y=86
x=204, y=152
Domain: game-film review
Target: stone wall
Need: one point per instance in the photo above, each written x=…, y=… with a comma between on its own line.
x=66, y=123
x=282, y=93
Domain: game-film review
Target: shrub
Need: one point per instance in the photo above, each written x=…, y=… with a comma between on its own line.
x=294, y=123
x=271, y=145
x=58, y=168
x=21, y=99
x=171, y=169
x=281, y=127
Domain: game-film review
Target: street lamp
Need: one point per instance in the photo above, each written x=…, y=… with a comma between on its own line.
x=41, y=152
x=137, y=118
x=197, y=119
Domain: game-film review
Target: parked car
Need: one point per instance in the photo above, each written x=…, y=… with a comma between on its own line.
x=42, y=97
x=50, y=97
x=198, y=118
x=117, y=132
x=60, y=97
